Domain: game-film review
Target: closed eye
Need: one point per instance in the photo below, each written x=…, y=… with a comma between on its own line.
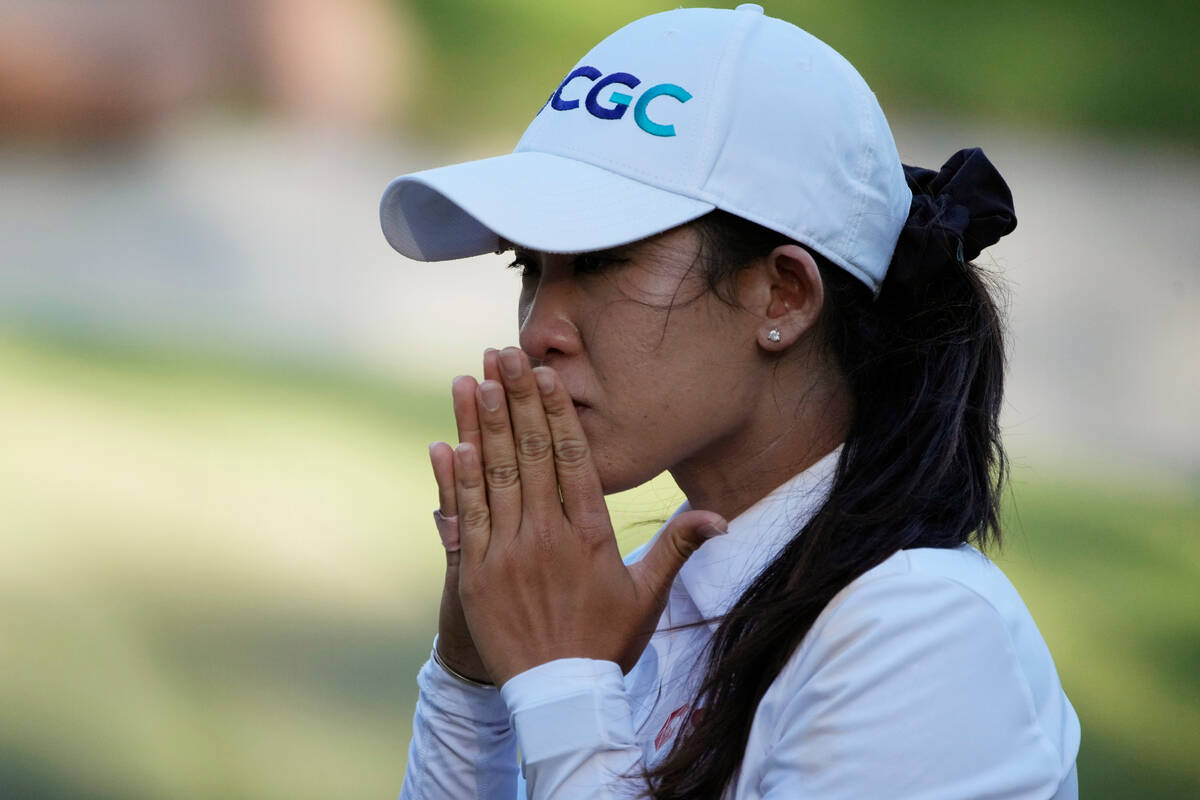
x=581, y=264
x=589, y=263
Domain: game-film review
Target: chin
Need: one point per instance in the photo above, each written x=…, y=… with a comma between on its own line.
x=613, y=487
x=620, y=479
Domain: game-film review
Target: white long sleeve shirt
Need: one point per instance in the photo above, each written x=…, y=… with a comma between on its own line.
x=926, y=678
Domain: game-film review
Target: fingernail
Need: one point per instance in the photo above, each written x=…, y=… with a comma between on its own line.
x=714, y=529
x=510, y=362
x=545, y=380
x=491, y=394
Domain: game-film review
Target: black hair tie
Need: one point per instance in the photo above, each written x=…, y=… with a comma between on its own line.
x=956, y=212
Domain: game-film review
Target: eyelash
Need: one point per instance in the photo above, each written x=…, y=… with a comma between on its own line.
x=527, y=266
x=583, y=264
x=586, y=263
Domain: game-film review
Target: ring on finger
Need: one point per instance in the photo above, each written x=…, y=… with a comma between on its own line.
x=447, y=527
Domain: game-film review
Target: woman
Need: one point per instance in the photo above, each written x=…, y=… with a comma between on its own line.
x=728, y=274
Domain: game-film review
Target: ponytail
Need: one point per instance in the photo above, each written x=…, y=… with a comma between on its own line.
x=922, y=465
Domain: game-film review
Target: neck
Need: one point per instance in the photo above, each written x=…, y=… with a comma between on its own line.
x=778, y=441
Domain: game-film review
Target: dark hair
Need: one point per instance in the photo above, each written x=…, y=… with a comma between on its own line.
x=922, y=466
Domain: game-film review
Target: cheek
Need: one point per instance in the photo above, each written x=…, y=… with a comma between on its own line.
x=641, y=433
x=626, y=443
x=671, y=384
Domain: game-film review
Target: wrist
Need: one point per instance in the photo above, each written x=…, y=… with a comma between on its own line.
x=461, y=674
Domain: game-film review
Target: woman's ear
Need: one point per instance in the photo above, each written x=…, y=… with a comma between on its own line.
x=790, y=297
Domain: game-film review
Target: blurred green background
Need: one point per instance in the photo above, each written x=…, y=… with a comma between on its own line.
x=1126, y=68
x=217, y=383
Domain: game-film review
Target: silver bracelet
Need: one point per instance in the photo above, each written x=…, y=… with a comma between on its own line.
x=458, y=676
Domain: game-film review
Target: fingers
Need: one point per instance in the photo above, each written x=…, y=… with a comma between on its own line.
x=466, y=416
x=498, y=451
x=506, y=435
x=578, y=481
x=655, y=573
x=500, y=470
x=531, y=434
x=491, y=364
x=445, y=520
x=441, y=457
x=474, y=517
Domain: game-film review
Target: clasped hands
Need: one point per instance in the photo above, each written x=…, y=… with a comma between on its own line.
x=539, y=575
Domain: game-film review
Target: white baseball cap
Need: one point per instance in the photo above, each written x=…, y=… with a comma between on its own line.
x=672, y=116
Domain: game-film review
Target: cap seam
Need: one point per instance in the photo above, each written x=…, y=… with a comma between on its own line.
x=713, y=143
x=864, y=162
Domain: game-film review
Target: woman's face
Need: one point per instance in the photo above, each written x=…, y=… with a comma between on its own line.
x=662, y=371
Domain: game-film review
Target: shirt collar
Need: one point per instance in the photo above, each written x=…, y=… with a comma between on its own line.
x=716, y=575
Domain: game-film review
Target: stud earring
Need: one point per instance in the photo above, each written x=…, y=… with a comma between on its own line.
x=774, y=335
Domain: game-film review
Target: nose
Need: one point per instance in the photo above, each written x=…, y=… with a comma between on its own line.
x=546, y=321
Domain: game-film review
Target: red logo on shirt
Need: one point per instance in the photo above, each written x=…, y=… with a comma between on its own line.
x=675, y=723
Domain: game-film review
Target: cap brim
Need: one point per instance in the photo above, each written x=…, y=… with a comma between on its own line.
x=536, y=200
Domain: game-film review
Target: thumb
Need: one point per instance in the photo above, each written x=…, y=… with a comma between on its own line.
x=683, y=536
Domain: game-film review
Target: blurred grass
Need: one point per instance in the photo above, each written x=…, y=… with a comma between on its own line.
x=1106, y=65
x=219, y=581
